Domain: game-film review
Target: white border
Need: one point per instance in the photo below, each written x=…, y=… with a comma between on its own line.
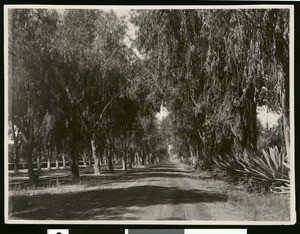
x=215, y=231
x=5, y=9
x=292, y=117
x=155, y=222
x=203, y=231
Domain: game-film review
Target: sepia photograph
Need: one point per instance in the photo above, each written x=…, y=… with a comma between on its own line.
x=149, y=115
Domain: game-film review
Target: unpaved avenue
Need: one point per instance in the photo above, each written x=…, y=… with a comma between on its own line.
x=164, y=192
x=172, y=194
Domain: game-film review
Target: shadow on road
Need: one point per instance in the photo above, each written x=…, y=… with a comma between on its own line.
x=112, y=202
x=109, y=203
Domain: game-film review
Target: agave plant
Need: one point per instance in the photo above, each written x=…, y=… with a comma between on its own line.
x=270, y=167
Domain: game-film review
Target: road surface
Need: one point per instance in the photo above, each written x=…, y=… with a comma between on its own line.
x=163, y=192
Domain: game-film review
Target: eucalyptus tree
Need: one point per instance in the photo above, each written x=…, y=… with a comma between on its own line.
x=146, y=94
x=73, y=39
x=254, y=59
x=124, y=114
x=30, y=61
x=167, y=45
x=276, y=24
x=47, y=130
x=94, y=71
x=212, y=65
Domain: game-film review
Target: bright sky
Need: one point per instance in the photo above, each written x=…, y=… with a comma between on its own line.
x=262, y=114
x=267, y=117
x=124, y=12
x=162, y=114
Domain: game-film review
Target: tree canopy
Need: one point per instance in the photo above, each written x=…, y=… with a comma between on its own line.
x=76, y=86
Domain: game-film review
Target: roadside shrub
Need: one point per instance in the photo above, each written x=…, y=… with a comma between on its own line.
x=268, y=171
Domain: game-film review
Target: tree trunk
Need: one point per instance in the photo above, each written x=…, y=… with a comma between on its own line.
x=89, y=161
x=96, y=166
x=96, y=159
x=281, y=48
x=286, y=122
x=124, y=162
x=136, y=158
x=131, y=160
x=63, y=161
x=285, y=102
x=84, y=158
x=73, y=162
x=149, y=158
x=16, y=144
x=32, y=176
x=286, y=129
x=247, y=112
x=16, y=159
x=110, y=164
x=191, y=155
x=110, y=161
x=143, y=158
x=74, y=168
x=16, y=163
x=56, y=158
x=84, y=162
x=48, y=161
x=38, y=161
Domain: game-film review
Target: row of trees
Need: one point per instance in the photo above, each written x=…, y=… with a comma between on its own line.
x=75, y=87
x=214, y=69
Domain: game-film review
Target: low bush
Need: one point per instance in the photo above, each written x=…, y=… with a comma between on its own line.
x=268, y=171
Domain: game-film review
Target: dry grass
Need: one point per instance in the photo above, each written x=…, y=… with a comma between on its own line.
x=66, y=185
x=248, y=206
x=51, y=189
x=260, y=207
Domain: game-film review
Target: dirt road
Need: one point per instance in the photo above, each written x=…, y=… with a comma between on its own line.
x=164, y=192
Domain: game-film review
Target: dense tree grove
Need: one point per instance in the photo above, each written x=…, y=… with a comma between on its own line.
x=73, y=90
x=216, y=67
x=77, y=91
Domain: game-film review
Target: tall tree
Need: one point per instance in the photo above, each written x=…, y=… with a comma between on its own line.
x=30, y=46
x=211, y=65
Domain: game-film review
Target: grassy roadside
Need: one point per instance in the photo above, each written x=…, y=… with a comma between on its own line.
x=248, y=206
x=261, y=207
